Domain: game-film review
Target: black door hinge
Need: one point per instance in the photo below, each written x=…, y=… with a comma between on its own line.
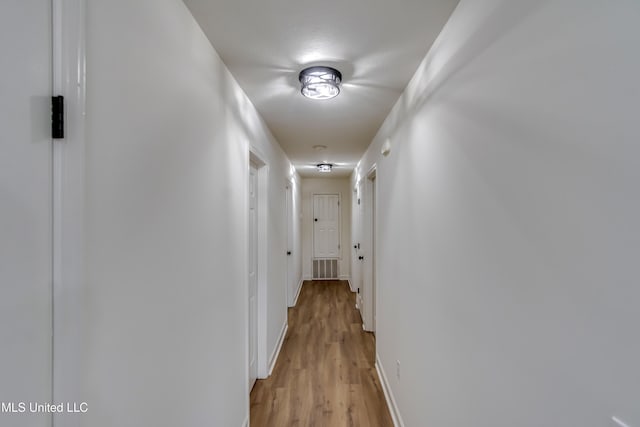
x=57, y=117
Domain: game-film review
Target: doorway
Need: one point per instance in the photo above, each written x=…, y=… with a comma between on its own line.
x=369, y=266
x=257, y=210
x=372, y=231
x=253, y=274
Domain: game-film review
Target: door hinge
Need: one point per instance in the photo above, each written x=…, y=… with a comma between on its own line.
x=57, y=117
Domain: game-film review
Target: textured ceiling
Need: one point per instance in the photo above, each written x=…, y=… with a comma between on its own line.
x=376, y=44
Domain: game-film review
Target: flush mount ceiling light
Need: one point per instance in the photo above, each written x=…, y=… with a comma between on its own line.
x=320, y=82
x=324, y=167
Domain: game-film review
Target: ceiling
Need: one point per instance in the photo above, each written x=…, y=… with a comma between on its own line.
x=377, y=45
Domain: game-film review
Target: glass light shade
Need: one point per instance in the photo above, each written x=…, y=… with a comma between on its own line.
x=320, y=82
x=324, y=167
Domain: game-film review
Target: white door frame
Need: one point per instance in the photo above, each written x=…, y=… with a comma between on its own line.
x=263, y=180
x=370, y=231
x=69, y=284
x=252, y=244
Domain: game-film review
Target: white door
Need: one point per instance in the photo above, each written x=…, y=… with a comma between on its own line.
x=253, y=275
x=25, y=207
x=326, y=226
x=291, y=279
x=373, y=252
x=359, y=267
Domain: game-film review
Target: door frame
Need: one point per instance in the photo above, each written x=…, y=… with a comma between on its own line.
x=257, y=158
x=369, y=235
x=68, y=219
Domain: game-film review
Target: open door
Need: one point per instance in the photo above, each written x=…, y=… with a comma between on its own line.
x=26, y=233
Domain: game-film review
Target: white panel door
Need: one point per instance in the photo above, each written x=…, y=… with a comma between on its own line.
x=253, y=275
x=291, y=279
x=25, y=208
x=360, y=251
x=326, y=226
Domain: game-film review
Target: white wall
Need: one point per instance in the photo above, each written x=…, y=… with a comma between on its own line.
x=508, y=220
x=168, y=135
x=341, y=186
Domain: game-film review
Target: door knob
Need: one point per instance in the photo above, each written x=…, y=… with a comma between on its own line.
x=360, y=257
x=288, y=252
x=316, y=219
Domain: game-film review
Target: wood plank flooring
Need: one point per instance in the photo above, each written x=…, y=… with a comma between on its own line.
x=325, y=375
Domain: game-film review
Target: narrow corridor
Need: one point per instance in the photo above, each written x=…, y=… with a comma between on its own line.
x=325, y=374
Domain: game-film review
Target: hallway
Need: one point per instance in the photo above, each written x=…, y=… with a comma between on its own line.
x=325, y=374
x=175, y=173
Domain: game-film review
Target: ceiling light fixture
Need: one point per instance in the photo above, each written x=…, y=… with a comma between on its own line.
x=320, y=82
x=324, y=167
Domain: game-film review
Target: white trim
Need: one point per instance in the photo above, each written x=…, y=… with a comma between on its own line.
x=295, y=300
x=263, y=221
x=619, y=422
x=307, y=278
x=276, y=352
x=69, y=283
x=351, y=288
x=388, y=395
x=369, y=268
x=245, y=423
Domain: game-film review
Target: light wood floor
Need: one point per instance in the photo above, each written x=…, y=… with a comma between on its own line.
x=325, y=375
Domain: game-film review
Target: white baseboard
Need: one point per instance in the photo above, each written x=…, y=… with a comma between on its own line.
x=307, y=278
x=295, y=300
x=350, y=285
x=276, y=353
x=246, y=422
x=388, y=395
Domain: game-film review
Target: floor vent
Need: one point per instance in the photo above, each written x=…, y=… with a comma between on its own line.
x=325, y=269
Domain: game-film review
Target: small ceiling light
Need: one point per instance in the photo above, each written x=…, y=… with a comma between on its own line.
x=319, y=147
x=324, y=167
x=320, y=82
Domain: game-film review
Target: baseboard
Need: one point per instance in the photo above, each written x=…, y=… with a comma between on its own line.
x=276, y=353
x=307, y=278
x=246, y=422
x=295, y=300
x=350, y=285
x=388, y=395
